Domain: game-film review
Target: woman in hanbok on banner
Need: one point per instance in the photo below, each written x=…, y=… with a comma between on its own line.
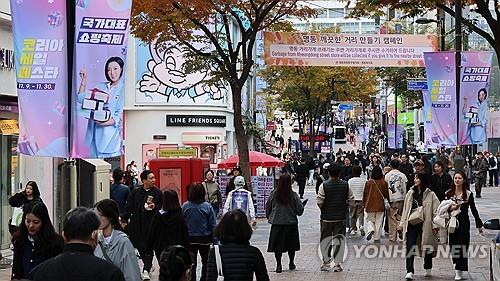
x=477, y=118
x=105, y=121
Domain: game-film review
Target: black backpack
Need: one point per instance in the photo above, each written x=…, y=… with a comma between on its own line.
x=492, y=162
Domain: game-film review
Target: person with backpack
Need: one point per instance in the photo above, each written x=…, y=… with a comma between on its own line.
x=493, y=169
x=397, y=185
x=240, y=198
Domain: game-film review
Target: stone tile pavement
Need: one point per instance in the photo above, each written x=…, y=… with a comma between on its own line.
x=364, y=267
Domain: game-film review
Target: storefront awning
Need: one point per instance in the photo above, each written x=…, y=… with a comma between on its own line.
x=9, y=127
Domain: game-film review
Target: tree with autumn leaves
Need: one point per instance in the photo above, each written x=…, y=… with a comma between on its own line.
x=489, y=10
x=307, y=90
x=211, y=24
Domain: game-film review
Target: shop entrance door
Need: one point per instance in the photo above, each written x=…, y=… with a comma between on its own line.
x=9, y=182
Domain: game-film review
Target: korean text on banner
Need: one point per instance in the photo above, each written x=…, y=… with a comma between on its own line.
x=366, y=50
x=474, y=89
x=440, y=107
x=39, y=29
x=393, y=130
x=101, y=34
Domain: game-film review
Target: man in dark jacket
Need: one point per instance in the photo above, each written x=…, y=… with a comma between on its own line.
x=332, y=199
x=406, y=168
x=480, y=170
x=77, y=262
x=118, y=191
x=440, y=180
x=302, y=174
x=143, y=202
x=346, y=170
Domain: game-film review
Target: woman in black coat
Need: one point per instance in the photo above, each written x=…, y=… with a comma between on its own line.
x=167, y=228
x=35, y=241
x=23, y=199
x=240, y=260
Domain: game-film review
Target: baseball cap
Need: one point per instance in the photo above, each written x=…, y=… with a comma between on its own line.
x=326, y=166
x=419, y=162
x=239, y=181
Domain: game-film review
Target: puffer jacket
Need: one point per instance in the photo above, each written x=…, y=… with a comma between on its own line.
x=239, y=263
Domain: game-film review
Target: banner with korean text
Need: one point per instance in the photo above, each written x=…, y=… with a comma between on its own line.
x=360, y=50
x=395, y=133
x=99, y=77
x=440, y=108
x=39, y=29
x=474, y=90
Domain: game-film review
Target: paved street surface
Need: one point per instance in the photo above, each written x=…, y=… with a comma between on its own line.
x=362, y=268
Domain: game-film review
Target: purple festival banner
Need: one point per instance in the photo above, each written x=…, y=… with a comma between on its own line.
x=39, y=29
x=101, y=33
x=474, y=90
x=440, y=109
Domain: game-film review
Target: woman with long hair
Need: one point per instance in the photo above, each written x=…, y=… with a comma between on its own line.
x=420, y=237
x=113, y=245
x=240, y=261
x=459, y=240
x=167, y=227
x=176, y=264
x=200, y=219
x=28, y=195
x=282, y=208
x=376, y=190
x=35, y=241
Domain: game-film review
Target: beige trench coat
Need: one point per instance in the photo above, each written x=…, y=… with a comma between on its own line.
x=430, y=202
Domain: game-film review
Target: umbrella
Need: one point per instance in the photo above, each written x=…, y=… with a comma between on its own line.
x=257, y=159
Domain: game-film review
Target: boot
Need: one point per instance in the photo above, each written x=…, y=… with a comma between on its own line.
x=458, y=275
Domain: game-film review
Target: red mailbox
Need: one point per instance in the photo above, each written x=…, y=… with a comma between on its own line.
x=178, y=173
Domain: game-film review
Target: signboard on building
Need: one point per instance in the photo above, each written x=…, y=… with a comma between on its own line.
x=317, y=138
x=346, y=106
x=9, y=127
x=185, y=152
x=196, y=120
x=6, y=59
x=201, y=138
x=416, y=85
x=358, y=50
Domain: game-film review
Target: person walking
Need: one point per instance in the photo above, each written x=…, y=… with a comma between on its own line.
x=118, y=191
x=35, y=241
x=282, y=208
x=376, y=190
x=311, y=166
x=480, y=170
x=23, y=199
x=397, y=185
x=332, y=199
x=459, y=240
x=323, y=176
x=240, y=261
x=176, y=264
x=168, y=227
x=302, y=174
x=420, y=236
x=493, y=169
x=356, y=209
x=346, y=170
x=200, y=219
x=406, y=168
x=234, y=173
x=77, y=261
x=142, y=203
x=214, y=196
x=240, y=198
x=440, y=181
x=113, y=245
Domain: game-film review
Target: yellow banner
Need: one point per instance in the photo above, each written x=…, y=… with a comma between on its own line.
x=358, y=50
x=188, y=152
x=9, y=127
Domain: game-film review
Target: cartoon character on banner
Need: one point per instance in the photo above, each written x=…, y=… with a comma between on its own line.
x=476, y=115
x=168, y=77
x=103, y=107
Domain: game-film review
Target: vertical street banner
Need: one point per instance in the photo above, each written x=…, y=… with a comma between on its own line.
x=39, y=29
x=395, y=133
x=101, y=34
x=474, y=90
x=440, y=106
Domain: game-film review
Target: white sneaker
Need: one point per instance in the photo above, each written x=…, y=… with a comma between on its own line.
x=409, y=276
x=458, y=275
x=145, y=275
x=427, y=273
x=353, y=232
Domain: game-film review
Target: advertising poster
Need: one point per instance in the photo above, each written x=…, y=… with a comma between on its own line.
x=262, y=188
x=366, y=50
x=171, y=179
x=392, y=131
x=101, y=34
x=39, y=29
x=494, y=125
x=474, y=90
x=440, y=109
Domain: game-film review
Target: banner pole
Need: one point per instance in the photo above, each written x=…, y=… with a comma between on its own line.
x=458, y=59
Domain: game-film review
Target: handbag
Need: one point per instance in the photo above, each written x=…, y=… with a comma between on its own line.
x=452, y=224
x=218, y=263
x=17, y=216
x=387, y=205
x=416, y=215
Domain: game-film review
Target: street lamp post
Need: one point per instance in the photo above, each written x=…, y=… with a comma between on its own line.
x=334, y=97
x=441, y=25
